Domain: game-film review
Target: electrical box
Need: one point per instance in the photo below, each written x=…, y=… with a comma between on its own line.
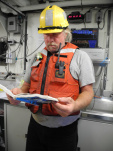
x=99, y=15
x=88, y=17
x=96, y=54
x=13, y=25
x=10, y=57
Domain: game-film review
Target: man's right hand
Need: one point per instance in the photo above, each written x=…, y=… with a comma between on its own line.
x=24, y=89
x=14, y=91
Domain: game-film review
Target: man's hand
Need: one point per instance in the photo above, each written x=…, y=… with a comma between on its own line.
x=14, y=91
x=65, y=106
x=23, y=89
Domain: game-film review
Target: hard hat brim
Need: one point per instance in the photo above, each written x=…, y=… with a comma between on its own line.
x=50, y=31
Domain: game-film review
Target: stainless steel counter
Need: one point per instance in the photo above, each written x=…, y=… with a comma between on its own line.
x=100, y=109
x=97, y=116
x=104, y=104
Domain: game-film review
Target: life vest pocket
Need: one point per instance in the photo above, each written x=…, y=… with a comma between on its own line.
x=60, y=78
x=34, y=81
x=34, y=74
x=64, y=86
x=37, y=72
x=57, y=94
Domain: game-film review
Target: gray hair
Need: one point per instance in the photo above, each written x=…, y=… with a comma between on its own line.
x=69, y=35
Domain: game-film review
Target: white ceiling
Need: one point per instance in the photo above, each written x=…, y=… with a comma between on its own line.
x=29, y=5
x=22, y=3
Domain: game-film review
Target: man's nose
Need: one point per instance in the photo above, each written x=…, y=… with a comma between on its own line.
x=51, y=37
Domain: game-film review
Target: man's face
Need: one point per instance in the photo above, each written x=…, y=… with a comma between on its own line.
x=53, y=40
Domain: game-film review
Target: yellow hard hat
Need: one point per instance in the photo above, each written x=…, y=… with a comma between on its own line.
x=52, y=20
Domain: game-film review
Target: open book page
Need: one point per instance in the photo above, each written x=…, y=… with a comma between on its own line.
x=29, y=98
x=7, y=91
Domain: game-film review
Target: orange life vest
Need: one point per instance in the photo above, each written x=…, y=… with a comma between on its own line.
x=56, y=85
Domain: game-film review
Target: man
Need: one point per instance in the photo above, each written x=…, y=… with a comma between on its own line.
x=60, y=71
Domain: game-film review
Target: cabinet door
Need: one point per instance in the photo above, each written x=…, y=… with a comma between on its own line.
x=95, y=136
x=16, y=124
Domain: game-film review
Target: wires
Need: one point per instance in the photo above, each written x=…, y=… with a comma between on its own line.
x=98, y=23
x=36, y=49
x=99, y=85
x=18, y=53
x=103, y=19
x=19, y=47
x=32, y=52
x=6, y=53
x=81, y=5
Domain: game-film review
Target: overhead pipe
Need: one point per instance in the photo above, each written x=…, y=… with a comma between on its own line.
x=66, y=4
x=10, y=6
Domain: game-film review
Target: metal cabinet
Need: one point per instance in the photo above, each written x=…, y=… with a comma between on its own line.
x=95, y=135
x=16, y=123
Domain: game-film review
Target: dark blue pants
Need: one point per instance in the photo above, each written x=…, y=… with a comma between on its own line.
x=41, y=138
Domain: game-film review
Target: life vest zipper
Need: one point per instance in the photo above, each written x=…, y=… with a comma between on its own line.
x=45, y=72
